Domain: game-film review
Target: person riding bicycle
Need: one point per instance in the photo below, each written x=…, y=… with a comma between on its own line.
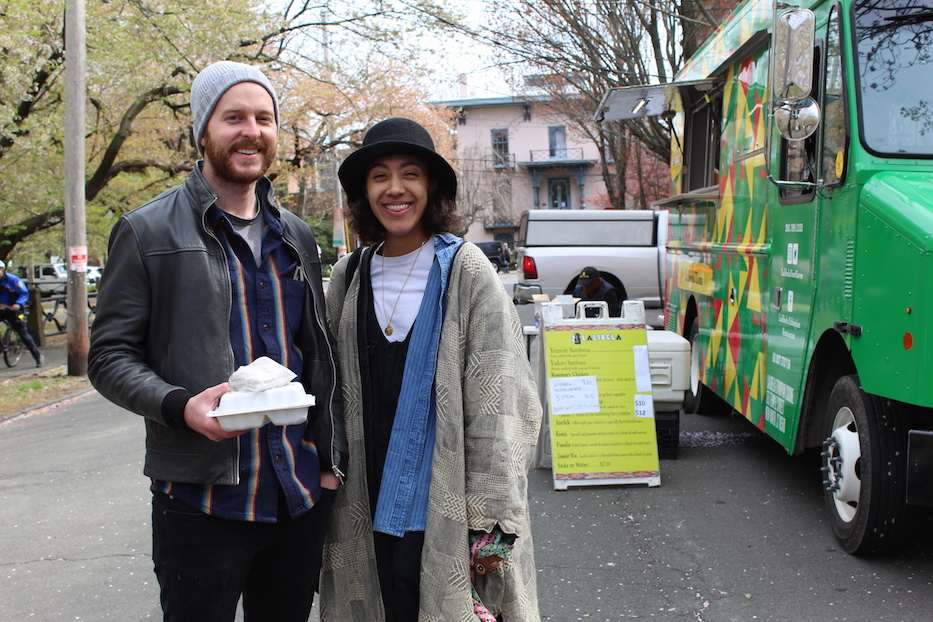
x=13, y=299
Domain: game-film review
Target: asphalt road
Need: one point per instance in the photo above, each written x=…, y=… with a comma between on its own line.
x=737, y=531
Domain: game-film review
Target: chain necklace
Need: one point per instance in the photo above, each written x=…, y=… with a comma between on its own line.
x=389, y=330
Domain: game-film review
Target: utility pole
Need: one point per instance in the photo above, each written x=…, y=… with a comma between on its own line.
x=339, y=238
x=75, y=222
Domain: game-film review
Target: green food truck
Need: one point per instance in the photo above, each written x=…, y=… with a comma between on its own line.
x=800, y=254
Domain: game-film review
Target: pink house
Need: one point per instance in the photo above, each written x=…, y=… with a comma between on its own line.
x=515, y=154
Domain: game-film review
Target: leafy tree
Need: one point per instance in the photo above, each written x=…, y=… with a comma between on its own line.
x=142, y=57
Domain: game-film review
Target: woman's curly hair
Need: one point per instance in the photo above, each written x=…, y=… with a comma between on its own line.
x=440, y=215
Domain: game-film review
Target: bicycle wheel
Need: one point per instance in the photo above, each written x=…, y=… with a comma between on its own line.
x=12, y=347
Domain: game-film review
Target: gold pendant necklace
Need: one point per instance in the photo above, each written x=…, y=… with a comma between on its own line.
x=389, y=330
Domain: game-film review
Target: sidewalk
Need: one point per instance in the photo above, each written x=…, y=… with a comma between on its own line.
x=55, y=351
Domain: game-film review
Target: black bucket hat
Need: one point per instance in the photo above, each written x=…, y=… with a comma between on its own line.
x=393, y=137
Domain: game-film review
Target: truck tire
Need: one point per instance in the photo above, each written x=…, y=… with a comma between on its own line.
x=699, y=399
x=864, y=466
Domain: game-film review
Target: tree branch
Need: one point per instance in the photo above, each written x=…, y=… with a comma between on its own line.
x=106, y=169
x=41, y=80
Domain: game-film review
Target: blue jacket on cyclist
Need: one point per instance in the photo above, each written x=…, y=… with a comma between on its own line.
x=12, y=289
x=13, y=294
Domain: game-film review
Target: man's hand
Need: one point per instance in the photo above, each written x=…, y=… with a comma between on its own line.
x=196, y=413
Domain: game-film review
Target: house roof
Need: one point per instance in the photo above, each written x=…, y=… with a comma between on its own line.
x=493, y=102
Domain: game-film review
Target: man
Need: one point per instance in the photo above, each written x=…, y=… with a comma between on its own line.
x=201, y=280
x=591, y=286
x=13, y=299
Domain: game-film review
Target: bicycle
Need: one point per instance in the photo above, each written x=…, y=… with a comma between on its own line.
x=11, y=344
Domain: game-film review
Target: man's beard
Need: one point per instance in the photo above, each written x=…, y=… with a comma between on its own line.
x=220, y=160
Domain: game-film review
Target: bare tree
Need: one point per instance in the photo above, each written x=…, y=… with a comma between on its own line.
x=484, y=193
x=576, y=50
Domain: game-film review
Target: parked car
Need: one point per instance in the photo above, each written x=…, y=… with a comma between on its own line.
x=628, y=247
x=49, y=278
x=498, y=253
x=92, y=277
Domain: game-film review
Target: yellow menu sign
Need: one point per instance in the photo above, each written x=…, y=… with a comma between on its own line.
x=599, y=404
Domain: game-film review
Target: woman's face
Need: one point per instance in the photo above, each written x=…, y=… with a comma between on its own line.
x=397, y=188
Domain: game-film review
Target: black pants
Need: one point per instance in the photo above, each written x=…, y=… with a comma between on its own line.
x=19, y=326
x=398, y=561
x=205, y=563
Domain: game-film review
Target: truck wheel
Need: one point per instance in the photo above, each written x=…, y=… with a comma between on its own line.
x=699, y=399
x=864, y=465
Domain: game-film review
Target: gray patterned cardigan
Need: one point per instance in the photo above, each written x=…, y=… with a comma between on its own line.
x=488, y=416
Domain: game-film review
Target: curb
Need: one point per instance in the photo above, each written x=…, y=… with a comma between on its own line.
x=32, y=409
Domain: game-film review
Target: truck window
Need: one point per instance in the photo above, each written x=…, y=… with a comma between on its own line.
x=894, y=70
x=798, y=157
x=702, y=126
x=835, y=137
x=590, y=233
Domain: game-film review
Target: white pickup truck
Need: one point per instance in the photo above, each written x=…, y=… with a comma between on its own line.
x=626, y=246
x=51, y=279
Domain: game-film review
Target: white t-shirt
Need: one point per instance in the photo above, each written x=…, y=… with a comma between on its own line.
x=394, y=283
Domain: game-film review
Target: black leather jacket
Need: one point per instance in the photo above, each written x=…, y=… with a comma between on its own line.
x=163, y=321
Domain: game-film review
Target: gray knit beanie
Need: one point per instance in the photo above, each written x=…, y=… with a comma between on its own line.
x=213, y=82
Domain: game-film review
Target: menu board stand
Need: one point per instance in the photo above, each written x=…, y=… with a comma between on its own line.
x=598, y=397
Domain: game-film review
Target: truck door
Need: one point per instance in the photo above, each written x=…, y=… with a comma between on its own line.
x=812, y=228
x=795, y=221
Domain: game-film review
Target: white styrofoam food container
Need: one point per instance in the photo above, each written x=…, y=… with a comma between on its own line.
x=245, y=410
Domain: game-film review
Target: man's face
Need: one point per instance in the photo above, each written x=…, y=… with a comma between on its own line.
x=592, y=287
x=239, y=140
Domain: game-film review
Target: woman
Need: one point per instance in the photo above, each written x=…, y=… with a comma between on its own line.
x=441, y=407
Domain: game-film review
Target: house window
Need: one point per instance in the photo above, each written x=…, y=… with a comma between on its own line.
x=557, y=141
x=559, y=193
x=500, y=148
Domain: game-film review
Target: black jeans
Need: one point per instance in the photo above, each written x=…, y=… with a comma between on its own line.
x=205, y=563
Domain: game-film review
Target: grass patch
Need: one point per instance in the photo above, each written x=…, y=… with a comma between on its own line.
x=44, y=385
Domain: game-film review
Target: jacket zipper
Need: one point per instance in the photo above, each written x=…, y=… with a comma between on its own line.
x=226, y=285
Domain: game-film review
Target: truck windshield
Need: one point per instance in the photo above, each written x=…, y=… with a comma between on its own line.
x=895, y=69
